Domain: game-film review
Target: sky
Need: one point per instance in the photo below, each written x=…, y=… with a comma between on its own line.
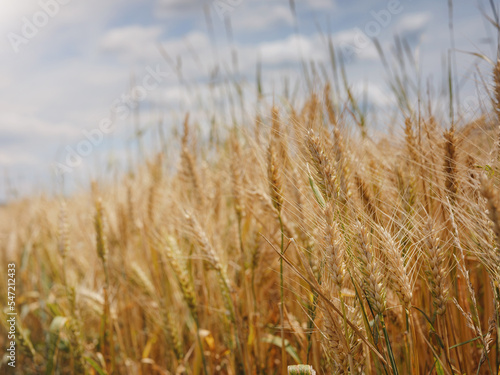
x=72, y=71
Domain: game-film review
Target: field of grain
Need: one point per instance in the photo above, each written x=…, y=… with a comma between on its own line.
x=299, y=237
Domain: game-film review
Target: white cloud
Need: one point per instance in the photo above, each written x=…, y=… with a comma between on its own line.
x=43, y=21
x=321, y=4
x=13, y=11
x=374, y=94
x=132, y=43
x=66, y=78
x=245, y=15
x=292, y=49
x=355, y=44
x=413, y=22
x=25, y=158
x=171, y=8
x=251, y=17
x=17, y=125
x=122, y=38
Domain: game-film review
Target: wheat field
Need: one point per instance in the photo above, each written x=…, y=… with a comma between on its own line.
x=297, y=238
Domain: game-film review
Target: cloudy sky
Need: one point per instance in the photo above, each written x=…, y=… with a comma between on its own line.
x=67, y=66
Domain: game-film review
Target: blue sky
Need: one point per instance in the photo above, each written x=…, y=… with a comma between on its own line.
x=67, y=75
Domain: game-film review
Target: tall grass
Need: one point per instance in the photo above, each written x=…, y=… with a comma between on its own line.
x=302, y=239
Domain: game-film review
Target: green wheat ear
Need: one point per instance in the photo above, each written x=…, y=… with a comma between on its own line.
x=301, y=370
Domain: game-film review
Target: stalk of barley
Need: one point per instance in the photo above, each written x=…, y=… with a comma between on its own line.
x=276, y=132
x=73, y=324
x=108, y=349
x=496, y=81
x=332, y=118
x=411, y=142
x=488, y=192
x=75, y=339
x=344, y=346
x=236, y=178
x=171, y=332
x=370, y=272
x=172, y=252
x=185, y=131
x=334, y=250
x=492, y=204
x=397, y=268
x=130, y=208
x=214, y=261
x=341, y=163
x=276, y=193
x=450, y=162
x=366, y=197
x=278, y=137
x=64, y=242
x=268, y=206
x=324, y=167
x=301, y=226
x=334, y=253
x=474, y=324
x=312, y=111
x=224, y=283
x=100, y=233
x=141, y=279
x=156, y=175
x=436, y=270
x=473, y=180
x=338, y=347
x=406, y=189
x=189, y=172
x=275, y=178
x=257, y=127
